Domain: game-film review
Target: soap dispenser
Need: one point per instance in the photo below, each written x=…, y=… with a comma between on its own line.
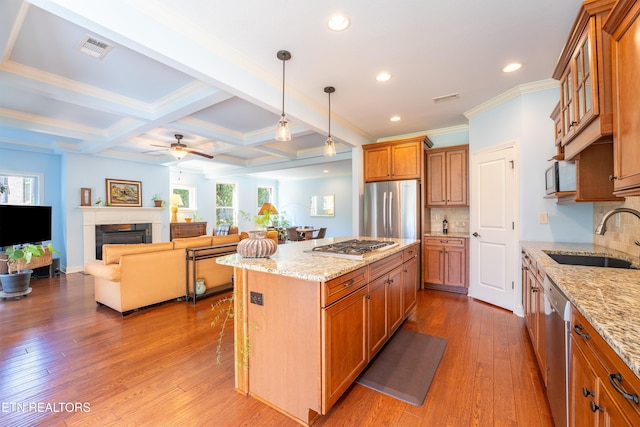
x=445, y=226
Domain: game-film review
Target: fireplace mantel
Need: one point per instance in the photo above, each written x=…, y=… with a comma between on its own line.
x=98, y=215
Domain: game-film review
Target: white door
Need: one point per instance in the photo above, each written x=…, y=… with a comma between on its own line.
x=493, y=243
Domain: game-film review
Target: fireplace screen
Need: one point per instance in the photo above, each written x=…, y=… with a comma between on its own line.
x=121, y=233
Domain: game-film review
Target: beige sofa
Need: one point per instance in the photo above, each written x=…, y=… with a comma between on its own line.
x=133, y=276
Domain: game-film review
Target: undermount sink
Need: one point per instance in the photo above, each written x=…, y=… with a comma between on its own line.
x=590, y=260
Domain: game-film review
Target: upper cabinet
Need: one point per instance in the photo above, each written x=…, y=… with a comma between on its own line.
x=624, y=26
x=585, y=112
x=393, y=160
x=447, y=176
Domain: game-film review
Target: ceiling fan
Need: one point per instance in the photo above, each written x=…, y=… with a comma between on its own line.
x=179, y=150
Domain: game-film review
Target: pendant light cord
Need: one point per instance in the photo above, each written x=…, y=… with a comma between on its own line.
x=283, y=62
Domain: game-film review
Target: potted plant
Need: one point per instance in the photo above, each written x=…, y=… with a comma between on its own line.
x=157, y=200
x=17, y=280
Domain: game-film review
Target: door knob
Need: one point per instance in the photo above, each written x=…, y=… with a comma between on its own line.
x=475, y=234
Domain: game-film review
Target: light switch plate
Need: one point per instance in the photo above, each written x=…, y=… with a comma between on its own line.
x=543, y=218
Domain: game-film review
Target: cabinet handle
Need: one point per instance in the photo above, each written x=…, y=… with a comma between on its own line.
x=612, y=178
x=534, y=289
x=475, y=234
x=595, y=407
x=444, y=241
x=572, y=124
x=587, y=393
x=368, y=296
x=349, y=283
x=578, y=330
x=615, y=379
x=525, y=268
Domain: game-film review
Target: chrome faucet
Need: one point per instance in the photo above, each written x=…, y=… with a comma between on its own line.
x=602, y=227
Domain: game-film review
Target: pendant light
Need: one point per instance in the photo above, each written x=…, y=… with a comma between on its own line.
x=283, y=133
x=329, y=146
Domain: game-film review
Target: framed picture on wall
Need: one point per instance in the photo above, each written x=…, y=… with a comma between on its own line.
x=124, y=193
x=85, y=197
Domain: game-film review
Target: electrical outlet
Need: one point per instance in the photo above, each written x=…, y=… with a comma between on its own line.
x=543, y=218
x=256, y=298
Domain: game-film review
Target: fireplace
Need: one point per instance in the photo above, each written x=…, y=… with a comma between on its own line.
x=121, y=233
x=94, y=216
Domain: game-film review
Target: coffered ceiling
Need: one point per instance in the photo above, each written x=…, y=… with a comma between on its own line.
x=208, y=70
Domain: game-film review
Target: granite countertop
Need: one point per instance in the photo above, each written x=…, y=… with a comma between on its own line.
x=450, y=234
x=609, y=298
x=291, y=259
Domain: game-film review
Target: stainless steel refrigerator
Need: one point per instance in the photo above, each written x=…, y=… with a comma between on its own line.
x=392, y=209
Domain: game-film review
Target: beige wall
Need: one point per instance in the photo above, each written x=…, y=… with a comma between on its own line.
x=622, y=229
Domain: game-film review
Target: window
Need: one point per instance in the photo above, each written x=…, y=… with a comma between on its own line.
x=188, y=197
x=226, y=211
x=17, y=188
x=265, y=195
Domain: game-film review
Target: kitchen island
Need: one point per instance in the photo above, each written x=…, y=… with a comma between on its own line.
x=307, y=324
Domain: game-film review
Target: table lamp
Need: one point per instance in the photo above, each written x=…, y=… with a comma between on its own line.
x=175, y=201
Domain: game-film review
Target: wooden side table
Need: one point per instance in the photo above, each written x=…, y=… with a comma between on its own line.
x=187, y=229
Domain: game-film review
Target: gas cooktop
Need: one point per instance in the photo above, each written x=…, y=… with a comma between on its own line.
x=354, y=249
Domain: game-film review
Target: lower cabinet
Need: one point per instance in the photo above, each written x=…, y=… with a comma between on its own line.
x=360, y=323
x=346, y=336
x=602, y=389
x=446, y=263
x=533, y=304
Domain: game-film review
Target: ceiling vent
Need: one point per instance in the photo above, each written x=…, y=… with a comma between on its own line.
x=94, y=47
x=446, y=97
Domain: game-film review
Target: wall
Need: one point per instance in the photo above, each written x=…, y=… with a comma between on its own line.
x=525, y=120
x=91, y=172
x=294, y=198
x=50, y=165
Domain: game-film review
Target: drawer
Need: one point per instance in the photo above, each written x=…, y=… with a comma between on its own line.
x=614, y=374
x=385, y=265
x=444, y=241
x=410, y=252
x=342, y=286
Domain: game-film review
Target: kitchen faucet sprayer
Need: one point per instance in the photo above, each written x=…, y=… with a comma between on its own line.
x=602, y=227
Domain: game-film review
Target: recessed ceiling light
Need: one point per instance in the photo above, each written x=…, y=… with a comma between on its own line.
x=512, y=67
x=325, y=171
x=339, y=22
x=383, y=77
x=395, y=119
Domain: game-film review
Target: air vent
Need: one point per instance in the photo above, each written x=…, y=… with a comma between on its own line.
x=94, y=47
x=446, y=97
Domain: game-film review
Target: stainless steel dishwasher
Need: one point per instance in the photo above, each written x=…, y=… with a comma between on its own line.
x=557, y=318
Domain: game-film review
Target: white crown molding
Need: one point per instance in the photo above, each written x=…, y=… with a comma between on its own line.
x=520, y=90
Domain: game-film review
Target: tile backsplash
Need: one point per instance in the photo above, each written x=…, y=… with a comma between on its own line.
x=458, y=219
x=622, y=229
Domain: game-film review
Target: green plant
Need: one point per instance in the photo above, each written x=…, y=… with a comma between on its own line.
x=25, y=252
x=98, y=202
x=156, y=197
x=196, y=217
x=224, y=310
x=262, y=222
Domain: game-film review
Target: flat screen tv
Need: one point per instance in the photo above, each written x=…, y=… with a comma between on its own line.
x=24, y=224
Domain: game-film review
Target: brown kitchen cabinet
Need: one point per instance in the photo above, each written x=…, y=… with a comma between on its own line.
x=187, y=229
x=594, y=167
x=410, y=277
x=346, y=337
x=624, y=26
x=394, y=160
x=533, y=305
x=445, y=263
x=447, y=176
x=584, y=72
x=603, y=391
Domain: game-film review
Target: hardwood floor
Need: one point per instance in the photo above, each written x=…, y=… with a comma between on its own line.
x=65, y=361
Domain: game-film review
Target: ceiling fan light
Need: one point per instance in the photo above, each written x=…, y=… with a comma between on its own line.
x=329, y=148
x=178, y=154
x=283, y=133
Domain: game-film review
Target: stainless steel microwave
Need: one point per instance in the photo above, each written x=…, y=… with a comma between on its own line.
x=560, y=176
